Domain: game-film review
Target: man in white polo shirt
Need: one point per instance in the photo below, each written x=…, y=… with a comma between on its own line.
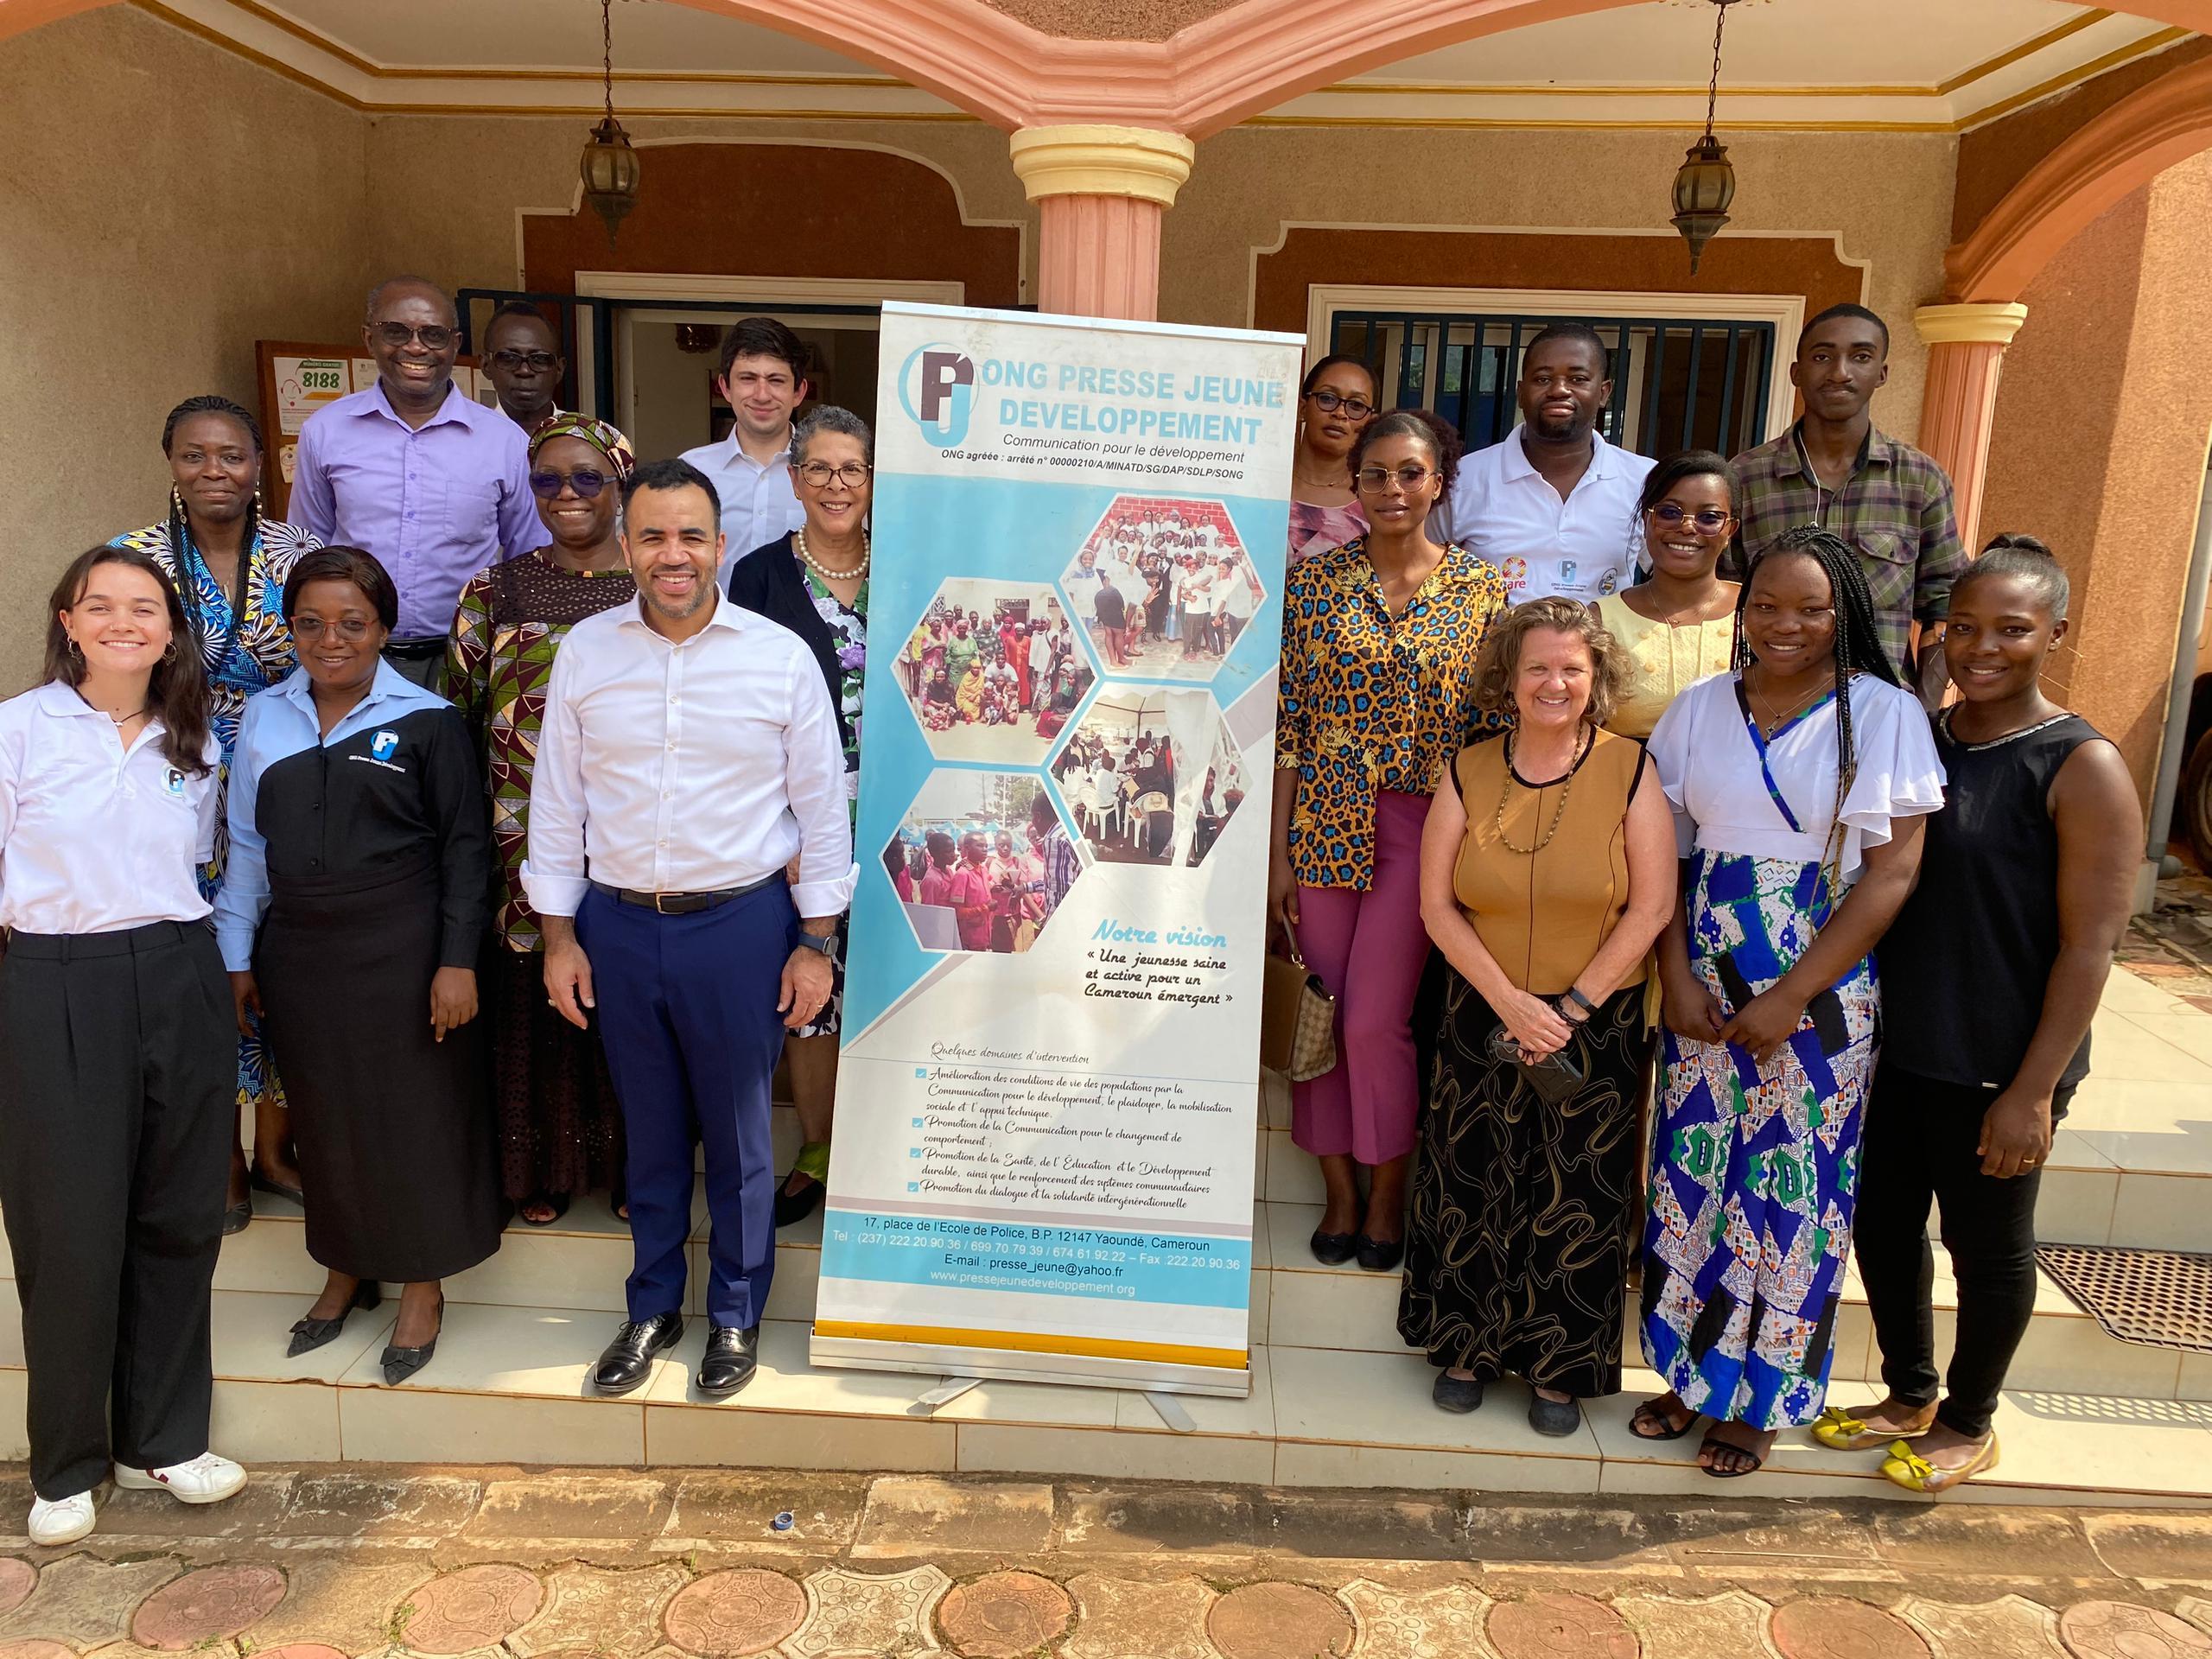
x=1554, y=508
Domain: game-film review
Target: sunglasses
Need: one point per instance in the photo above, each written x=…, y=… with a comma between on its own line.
x=538, y=362
x=1408, y=479
x=1708, y=520
x=435, y=336
x=585, y=482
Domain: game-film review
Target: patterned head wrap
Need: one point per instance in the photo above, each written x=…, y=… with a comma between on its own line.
x=597, y=433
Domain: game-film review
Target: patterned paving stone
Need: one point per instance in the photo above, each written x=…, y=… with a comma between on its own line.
x=743, y=1611
x=597, y=1610
x=337, y=1604
x=17, y=1579
x=866, y=1616
x=476, y=1607
x=2119, y=1630
x=2012, y=1627
x=86, y=1604
x=1128, y=1619
x=34, y=1648
x=1004, y=1615
x=1829, y=1627
x=1396, y=1623
x=1279, y=1621
x=1559, y=1627
x=1686, y=1627
x=300, y=1651
x=211, y=1604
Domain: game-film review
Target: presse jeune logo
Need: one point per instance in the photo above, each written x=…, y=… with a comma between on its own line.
x=937, y=388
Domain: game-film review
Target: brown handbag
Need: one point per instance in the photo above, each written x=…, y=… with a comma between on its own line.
x=1298, y=1020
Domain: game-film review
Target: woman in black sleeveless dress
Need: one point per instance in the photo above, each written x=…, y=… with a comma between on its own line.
x=1989, y=978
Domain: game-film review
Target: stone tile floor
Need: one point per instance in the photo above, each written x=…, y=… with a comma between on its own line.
x=319, y=1561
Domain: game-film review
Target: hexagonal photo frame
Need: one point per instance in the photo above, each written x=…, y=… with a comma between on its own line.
x=980, y=860
x=1163, y=585
x=993, y=671
x=1152, y=775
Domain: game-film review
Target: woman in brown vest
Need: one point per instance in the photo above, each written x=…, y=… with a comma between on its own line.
x=1547, y=872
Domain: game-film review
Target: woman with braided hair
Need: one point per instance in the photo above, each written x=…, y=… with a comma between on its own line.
x=229, y=565
x=1801, y=783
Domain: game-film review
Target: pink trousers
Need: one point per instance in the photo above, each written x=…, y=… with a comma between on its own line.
x=1368, y=949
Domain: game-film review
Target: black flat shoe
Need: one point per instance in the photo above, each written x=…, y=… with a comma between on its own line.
x=1332, y=1250
x=1457, y=1394
x=236, y=1218
x=628, y=1360
x=261, y=1183
x=400, y=1364
x=1379, y=1255
x=797, y=1206
x=309, y=1334
x=1557, y=1418
x=733, y=1357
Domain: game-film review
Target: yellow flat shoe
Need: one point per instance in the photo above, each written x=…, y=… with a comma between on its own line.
x=1915, y=1474
x=1839, y=1431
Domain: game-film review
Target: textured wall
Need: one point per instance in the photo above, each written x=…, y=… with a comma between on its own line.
x=1111, y=19
x=167, y=205
x=2102, y=420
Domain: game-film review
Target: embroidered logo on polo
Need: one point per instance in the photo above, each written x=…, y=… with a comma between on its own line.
x=173, y=781
x=383, y=745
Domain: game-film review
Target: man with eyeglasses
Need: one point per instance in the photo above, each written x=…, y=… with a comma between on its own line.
x=1554, y=507
x=433, y=483
x=522, y=357
x=763, y=378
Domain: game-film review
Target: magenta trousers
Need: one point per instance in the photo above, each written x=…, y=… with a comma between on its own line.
x=1368, y=949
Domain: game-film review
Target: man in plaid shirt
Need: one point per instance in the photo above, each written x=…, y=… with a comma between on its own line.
x=1888, y=501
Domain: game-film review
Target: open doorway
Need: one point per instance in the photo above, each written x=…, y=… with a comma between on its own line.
x=667, y=357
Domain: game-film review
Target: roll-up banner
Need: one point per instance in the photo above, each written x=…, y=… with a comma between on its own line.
x=1047, y=1099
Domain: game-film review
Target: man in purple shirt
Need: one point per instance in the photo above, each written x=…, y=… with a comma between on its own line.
x=436, y=485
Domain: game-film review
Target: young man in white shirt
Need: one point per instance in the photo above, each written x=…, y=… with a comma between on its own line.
x=689, y=754
x=763, y=378
x=1554, y=508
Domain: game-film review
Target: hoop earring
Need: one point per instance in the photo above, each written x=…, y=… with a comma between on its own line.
x=169, y=655
x=176, y=500
x=73, y=648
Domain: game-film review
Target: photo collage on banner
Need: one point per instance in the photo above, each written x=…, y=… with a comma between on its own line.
x=1047, y=1100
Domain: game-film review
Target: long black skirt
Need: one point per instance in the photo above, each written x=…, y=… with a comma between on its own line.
x=398, y=1161
x=1517, y=1253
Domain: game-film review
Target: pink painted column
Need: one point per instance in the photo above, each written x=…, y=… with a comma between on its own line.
x=1965, y=351
x=1101, y=192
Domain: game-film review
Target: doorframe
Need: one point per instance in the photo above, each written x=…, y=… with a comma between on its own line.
x=1785, y=311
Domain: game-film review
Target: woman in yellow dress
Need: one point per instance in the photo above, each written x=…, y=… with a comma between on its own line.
x=1678, y=624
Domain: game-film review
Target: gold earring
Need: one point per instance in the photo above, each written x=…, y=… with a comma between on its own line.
x=176, y=500
x=169, y=655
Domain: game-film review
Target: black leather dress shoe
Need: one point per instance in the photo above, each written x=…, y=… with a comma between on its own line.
x=732, y=1356
x=628, y=1360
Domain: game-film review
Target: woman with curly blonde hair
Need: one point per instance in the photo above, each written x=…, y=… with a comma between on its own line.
x=1547, y=870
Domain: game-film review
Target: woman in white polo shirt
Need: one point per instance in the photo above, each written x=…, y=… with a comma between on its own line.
x=117, y=1052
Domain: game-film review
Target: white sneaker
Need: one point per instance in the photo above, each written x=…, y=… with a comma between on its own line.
x=62, y=1521
x=207, y=1479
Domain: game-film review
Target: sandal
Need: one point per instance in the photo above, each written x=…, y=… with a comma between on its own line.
x=1649, y=1412
x=557, y=1202
x=1915, y=1474
x=1839, y=1431
x=1714, y=1443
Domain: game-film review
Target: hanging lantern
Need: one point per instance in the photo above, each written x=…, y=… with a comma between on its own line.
x=1706, y=183
x=609, y=167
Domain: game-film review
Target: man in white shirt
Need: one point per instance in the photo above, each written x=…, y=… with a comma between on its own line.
x=689, y=754
x=764, y=379
x=1554, y=508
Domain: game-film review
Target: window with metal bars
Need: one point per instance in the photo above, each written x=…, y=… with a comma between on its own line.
x=1678, y=383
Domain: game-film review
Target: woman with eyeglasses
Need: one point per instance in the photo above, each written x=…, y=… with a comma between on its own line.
x=560, y=1126
x=1678, y=624
x=814, y=582
x=228, y=563
x=1382, y=637
x=1335, y=403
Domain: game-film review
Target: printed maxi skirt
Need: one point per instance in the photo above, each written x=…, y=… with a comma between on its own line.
x=1755, y=1173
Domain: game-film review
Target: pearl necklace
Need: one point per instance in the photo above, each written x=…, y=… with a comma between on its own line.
x=798, y=546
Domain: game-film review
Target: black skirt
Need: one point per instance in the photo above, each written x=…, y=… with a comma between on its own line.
x=394, y=1128
x=1516, y=1252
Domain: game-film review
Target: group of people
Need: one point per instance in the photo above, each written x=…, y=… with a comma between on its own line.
x=999, y=887
x=1161, y=581
x=1633, y=754
x=962, y=669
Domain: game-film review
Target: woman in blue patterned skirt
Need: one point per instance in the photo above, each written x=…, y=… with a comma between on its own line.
x=1803, y=777
x=229, y=565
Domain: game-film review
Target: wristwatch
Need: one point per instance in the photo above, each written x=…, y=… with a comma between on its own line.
x=825, y=943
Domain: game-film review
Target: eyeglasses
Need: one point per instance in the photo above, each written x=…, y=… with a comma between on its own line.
x=584, y=481
x=539, y=362
x=349, y=627
x=435, y=336
x=818, y=474
x=1708, y=520
x=1329, y=403
x=1407, y=479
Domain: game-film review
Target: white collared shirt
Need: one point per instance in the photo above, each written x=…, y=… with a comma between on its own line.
x=759, y=504
x=95, y=838
x=1506, y=512
x=690, y=766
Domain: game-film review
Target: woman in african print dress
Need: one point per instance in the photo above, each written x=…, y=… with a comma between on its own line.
x=229, y=565
x=560, y=1129
x=1804, y=778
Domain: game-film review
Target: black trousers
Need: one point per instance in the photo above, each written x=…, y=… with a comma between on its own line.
x=118, y=1063
x=1918, y=1147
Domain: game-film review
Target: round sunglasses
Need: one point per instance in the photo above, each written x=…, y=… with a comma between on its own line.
x=584, y=481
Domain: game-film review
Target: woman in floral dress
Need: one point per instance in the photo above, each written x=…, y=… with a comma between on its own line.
x=229, y=565
x=560, y=1126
